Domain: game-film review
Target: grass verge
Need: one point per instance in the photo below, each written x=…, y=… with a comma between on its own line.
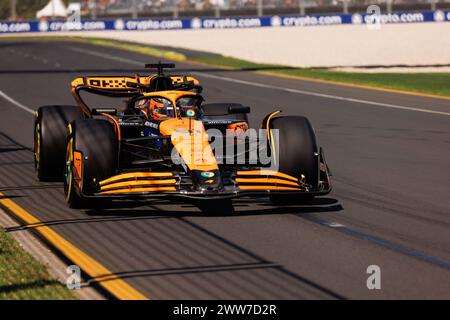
x=425, y=83
x=23, y=277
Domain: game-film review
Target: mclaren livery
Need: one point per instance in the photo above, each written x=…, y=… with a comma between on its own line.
x=159, y=143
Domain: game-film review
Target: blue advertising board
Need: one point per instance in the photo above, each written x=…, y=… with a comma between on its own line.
x=222, y=23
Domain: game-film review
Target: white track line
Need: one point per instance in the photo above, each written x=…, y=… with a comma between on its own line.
x=107, y=56
x=16, y=103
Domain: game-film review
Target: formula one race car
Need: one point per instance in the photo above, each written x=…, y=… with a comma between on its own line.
x=166, y=141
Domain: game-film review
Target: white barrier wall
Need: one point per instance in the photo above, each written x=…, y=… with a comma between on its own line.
x=324, y=46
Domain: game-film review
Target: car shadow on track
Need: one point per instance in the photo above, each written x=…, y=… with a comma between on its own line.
x=241, y=207
x=169, y=209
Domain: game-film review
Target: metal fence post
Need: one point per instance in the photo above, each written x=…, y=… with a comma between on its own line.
x=433, y=5
x=93, y=8
x=217, y=10
x=301, y=5
x=345, y=6
x=134, y=9
x=259, y=9
x=389, y=6
x=13, y=10
x=175, y=9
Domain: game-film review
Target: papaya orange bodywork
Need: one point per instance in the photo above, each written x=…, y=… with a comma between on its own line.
x=135, y=175
x=267, y=181
x=122, y=83
x=189, y=138
x=277, y=188
x=266, y=173
x=136, y=184
x=137, y=190
x=77, y=161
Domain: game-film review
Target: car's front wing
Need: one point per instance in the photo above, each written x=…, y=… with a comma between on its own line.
x=236, y=184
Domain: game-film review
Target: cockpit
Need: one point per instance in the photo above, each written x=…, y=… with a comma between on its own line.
x=161, y=108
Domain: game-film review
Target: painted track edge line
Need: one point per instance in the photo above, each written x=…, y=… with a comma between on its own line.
x=16, y=103
x=113, y=284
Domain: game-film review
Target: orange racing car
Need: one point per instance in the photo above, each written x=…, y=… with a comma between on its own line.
x=166, y=141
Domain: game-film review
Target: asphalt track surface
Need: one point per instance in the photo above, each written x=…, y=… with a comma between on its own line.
x=390, y=205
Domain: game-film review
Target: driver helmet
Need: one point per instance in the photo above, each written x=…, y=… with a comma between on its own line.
x=157, y=109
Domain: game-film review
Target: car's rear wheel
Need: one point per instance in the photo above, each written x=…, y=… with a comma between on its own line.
x=50, y=140
x=297, y=154
x=94, y=142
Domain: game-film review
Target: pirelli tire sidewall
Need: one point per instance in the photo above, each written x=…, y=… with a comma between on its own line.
x=297, y=150
x=50, y=140
x=97, y=142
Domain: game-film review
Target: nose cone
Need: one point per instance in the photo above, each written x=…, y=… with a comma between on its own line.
x=192, y=143
x=207, y=181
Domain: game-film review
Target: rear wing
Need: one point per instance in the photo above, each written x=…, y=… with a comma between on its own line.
x=110, y=84
x=127, y=86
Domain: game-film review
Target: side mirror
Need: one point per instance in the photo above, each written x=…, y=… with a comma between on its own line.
x=238, y=109
x=198, y=89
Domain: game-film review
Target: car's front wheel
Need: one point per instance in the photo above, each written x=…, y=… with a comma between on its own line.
x=297, y=154
x=91, y=156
